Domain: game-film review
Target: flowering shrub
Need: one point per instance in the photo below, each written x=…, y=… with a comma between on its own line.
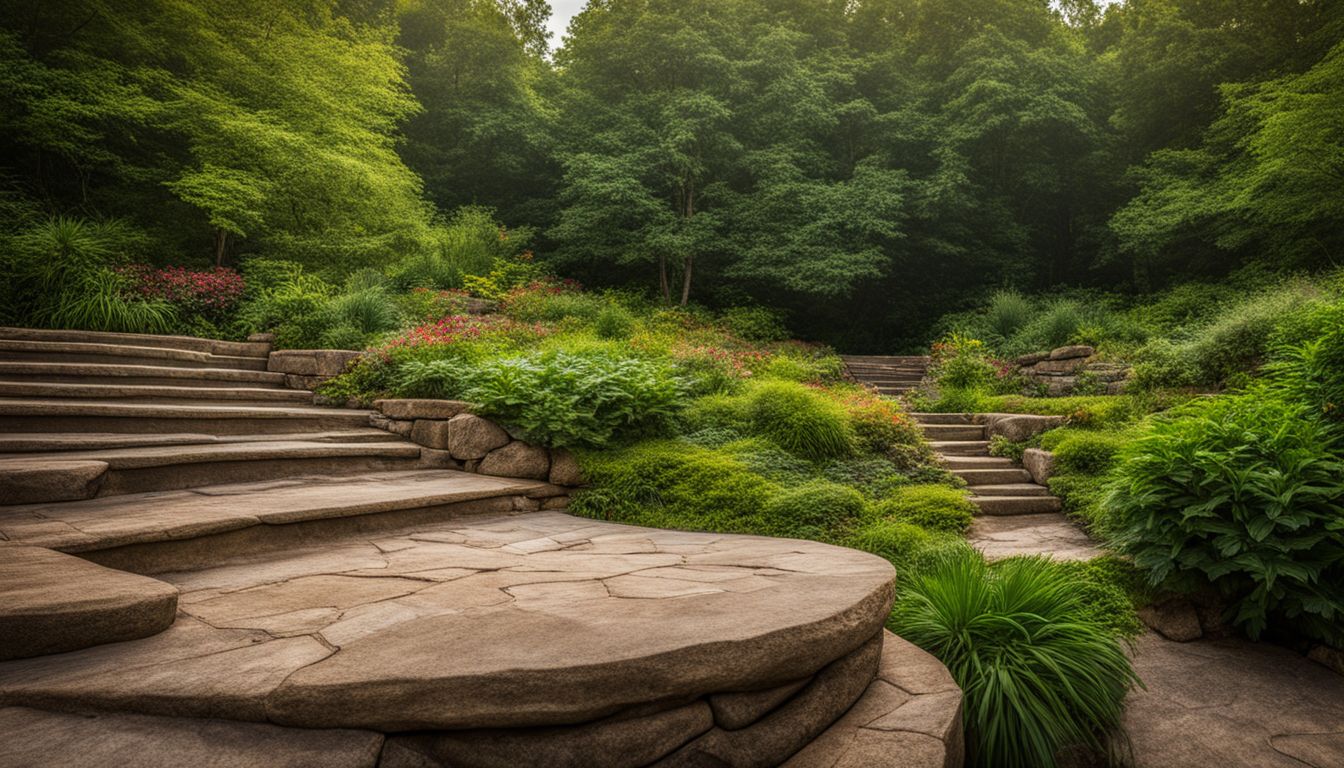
x=211, y=294
x=713, y=368
x=458, y=329
x=429, y=304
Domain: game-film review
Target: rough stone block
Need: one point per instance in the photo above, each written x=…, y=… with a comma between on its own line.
x=472, y=437
x=400, y=427
x=298, y=362
x=1019, y=427
x=431, y=433
x=517, y=459
x=565, y=468
x=1058, y=367
x=420, y=408
x=1039, y=463
x=436, y=459
x=1029, y=360
x=1072, y=352
x=1175, y=619
x=742, y=708
x=555, y=503
x=32, y=481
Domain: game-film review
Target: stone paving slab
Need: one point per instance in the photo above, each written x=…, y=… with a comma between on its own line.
x=115, y=521
x=1233, y=704
x=525, y=620
x=1050, y=534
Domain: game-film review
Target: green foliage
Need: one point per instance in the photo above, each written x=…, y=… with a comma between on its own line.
x=907, y=546
x=1242, y=493
x=1038, y=671
x=614, y=322
x=1004, y=448
x=1085, y=451
x=932, y=507
x=755, y=324
x=813, y=510
x=557, y=398
x=1009, y=312
x=799, y=420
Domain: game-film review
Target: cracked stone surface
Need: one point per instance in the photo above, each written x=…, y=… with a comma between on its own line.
x=1050, y=534
x=522, y=620
x=1226, y=703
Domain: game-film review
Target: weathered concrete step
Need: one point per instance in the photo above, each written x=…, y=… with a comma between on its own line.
x=52, y=603
x=84, y=441
x=513, y=621
x=1016, y=505
x=1011, y=489
x=961, y=447
x=82, y=352
x=191, y=343
x=19, y=415
x=985, y=461
x=154, y=393
x=172, y=467
x=172, y=530
x=977, y=477
x=961, y=419
x=1049, y=533
x=953, y=432
x=158, y=375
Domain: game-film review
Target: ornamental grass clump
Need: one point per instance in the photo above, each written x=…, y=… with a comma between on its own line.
x=1038, y=673
x=935, y=507
x=800, y=420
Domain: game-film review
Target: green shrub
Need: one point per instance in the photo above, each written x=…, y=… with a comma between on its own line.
x=1037, y=671
x=755, y=324
x=935, y=507
x=905, y=545
x=1009, y=312
x=720, y=411
x=813, y=510
x=814, y=369
x=287, y=301
x=770, y=461
x=1108, y=588
x=800, y=420
x=556, y=398
x=1084, y=451
x=533, y=306
x=671, y=484
x=874, y=477
x=960, y=362
x=1243, y=493
x=614, y=322
x=958, y=400
x=1006, y=449
x=1312, y=371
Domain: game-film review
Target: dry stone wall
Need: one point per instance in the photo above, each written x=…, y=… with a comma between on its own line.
x=1073, y=370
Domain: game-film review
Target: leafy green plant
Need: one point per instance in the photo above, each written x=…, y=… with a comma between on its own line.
x=1009, y=312
x=1007, y=449
x=800, y=420
x=755, y=324
x=813, y=510
x=934, y=507
x=1039, y=673
x=614, y=322
x=907, y=546
x=1242, y=493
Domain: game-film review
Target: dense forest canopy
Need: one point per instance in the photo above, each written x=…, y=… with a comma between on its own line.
x=864, y=165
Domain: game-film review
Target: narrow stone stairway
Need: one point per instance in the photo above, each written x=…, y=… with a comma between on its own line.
x=199, y=566
x=889, y=374
x=1017, y=515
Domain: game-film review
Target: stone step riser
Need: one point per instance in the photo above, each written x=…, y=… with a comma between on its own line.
x=959, y=419
x=205, y=426
x=961, y=448
x=186, y=343
x=264, y=380
x=157, y=393
x=1016, y=505
x=115, y=356
x=955, y=463
x=180, y=476
x=974, y=477
x=1027, y=488
x=58, y=443
x=953, y=432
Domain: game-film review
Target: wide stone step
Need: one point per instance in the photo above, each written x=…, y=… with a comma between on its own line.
x=155, y=393
x=924, y=359
x=190, y=343
x=20, y=415
x=957, y=463
x=84, y=441
x=961, y=447
x=168, y=530
x=1011, y=489
x=960, y=419
x=84, y=352
x=953, y=432
x=52, y=603
x=1049, y=533
x=978, y=477
x=510, y=622
x=172, y=467
x=907, y=383
x=156, y=375
x=1016, y=505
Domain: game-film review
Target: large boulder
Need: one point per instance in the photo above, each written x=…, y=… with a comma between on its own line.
x=1175, y=619
x=1039, y=463
x=1017, y=427
x=472, y=437
x=1072, y=352
x=565, y=468
x=415, y=408
x=517, y=459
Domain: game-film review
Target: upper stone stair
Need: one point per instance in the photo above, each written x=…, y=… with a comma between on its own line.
x=888, y=374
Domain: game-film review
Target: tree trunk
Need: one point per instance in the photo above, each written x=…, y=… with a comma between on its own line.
x=686, y=281
x=221, y=243
x=663, y=285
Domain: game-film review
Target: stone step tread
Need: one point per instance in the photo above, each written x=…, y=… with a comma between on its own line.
x=1010, y=489
x=990, y=476
x=80, y=441
x=1016, y=505
x=265, y=450
x=1050, y=533
x=191, y=343
x=52, y=602
x=84, y=372
x=524, y=620
x=958, y=463
x=33, y=407
x=954, y=431
x=11, y=346
x=39, y=389
x=962, y=419
x=137, y=518
x=957, y=448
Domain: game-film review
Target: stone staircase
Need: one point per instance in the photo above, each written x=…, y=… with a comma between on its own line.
x=1017, y=515
x=889, y=374
x=199, y=566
